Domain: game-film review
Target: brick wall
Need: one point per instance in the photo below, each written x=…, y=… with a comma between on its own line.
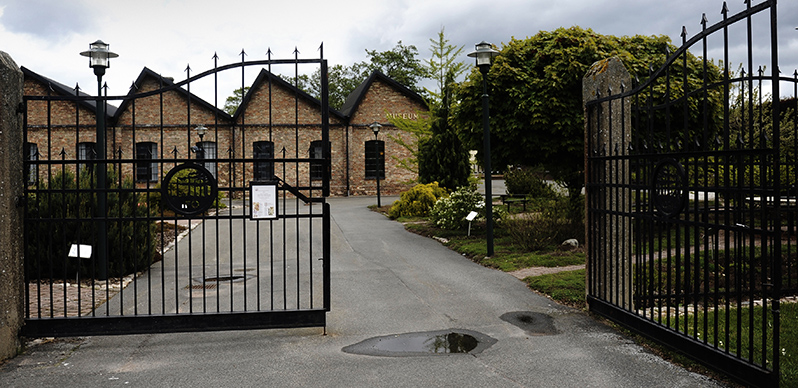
x=173, y=128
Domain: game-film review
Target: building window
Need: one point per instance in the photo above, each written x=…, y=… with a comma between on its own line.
x=207, y=151
x=263, y=171
x=375, y=159
x=32, y=155
x=316, y=168
x=86, y=151
x=146, y=169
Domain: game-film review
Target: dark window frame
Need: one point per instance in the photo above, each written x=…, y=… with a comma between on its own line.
x=374, y=159
x=317, y=152
x=31, y=156
x=208, y=150
x=86, y=151
x=146, y=169
x=262, y=171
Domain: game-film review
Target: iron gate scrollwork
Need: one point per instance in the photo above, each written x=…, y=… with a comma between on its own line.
x=189, y=189
x=184, y=251
x=692, y=223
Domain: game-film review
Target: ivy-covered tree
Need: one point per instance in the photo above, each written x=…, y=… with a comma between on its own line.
x=536, y=106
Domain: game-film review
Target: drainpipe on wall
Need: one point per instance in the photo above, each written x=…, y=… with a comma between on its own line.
x=347, y=162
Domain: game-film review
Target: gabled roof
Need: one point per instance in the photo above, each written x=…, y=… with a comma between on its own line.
x=67, y=91
x=356, y=97
x=264, y=77
x=168, y=83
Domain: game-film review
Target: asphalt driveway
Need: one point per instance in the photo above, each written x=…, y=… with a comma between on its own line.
x=385, y=282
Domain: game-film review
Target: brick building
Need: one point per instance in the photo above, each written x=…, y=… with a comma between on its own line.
x=155, y=127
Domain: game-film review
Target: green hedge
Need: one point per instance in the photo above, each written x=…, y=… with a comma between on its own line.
x=63, y=213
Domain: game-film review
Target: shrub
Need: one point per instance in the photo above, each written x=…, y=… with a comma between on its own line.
x=528, y=182
x=63, y=214
x=450, y=213
x=417, y=201
x=544, y=228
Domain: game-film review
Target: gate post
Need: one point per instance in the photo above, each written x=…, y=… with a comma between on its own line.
x=11, y=185
x=607, y=138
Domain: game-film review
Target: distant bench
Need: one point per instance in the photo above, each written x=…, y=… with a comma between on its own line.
x=511, y=199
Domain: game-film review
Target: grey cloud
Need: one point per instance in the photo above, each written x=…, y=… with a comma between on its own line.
x=47, y=19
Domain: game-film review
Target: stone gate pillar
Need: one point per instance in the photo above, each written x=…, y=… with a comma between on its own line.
x=607, y=138
x=11, y=185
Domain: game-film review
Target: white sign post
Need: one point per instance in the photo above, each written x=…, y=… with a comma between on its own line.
x=79, y=251
x=470, y=217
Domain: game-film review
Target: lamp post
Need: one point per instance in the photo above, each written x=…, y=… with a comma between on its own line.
x=99, y=57
x=375, y=127
x=201, y=131
x=483, y=54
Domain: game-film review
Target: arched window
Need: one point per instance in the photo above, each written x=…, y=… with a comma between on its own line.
x=316, y=152
x=375, y=159
x=86, y=151
x=32, y=155
x=207, y=151
x=263, y=171
x=146, y=169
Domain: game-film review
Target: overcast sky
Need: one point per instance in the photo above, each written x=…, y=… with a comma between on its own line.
x=47, y=36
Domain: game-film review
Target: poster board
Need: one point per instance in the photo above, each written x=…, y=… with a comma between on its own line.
x=263, y=201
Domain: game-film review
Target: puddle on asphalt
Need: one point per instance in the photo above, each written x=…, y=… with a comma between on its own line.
x=532, y=323
x=423, y=344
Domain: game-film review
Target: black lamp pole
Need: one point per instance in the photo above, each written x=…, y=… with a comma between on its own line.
x=375, y=127
x=483, y=54
x=99, y=56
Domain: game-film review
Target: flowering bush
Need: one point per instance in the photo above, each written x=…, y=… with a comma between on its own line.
x=450, y=213
x=417, y=201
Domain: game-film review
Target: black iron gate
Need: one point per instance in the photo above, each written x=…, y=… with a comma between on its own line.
x=193, y=219
x=692, y=200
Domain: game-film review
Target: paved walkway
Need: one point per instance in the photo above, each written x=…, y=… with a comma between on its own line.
x=385, y=281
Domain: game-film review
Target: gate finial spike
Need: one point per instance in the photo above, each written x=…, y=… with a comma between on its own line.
x=77, y=88
x=215, y=56
x=174, y=152
x=133, y=86
x=269, y=53
x=684, y=34
x=796, y=73
x=242, y=54
x=296, y=51
x=704, y=20
x=725, y=11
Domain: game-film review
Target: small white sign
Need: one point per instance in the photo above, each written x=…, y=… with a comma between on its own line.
x=470, y=217
x=264, y=201
x=80, y=250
